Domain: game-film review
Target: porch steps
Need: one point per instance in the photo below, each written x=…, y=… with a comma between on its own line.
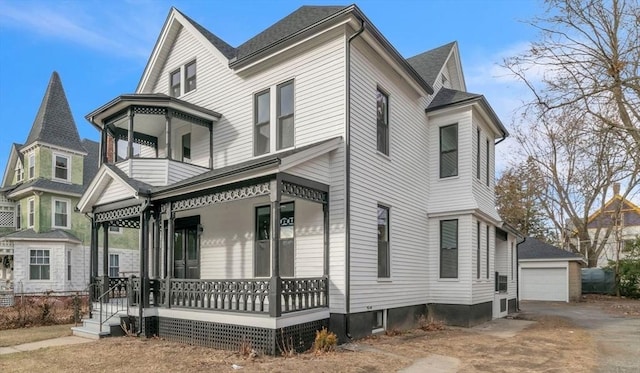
x=91, y=327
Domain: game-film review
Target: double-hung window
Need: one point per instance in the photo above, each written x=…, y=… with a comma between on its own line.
x=487, y=258
x=262, y=119
x=449, y=248
x=488, y=159
x=32, y=166
x=478, y=156
x=60, y=213
x=114, y=265
x=449, y=151
x=190, y=76
x=186, y=148
x=382, y=122
x=175, y=84
x=478, y=244
x=39, y=262
x=285, y=132
x=31, y=210
x=384, y=268
x=61, y=167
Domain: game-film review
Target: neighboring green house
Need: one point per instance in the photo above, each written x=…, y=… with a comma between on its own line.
x=43, y=241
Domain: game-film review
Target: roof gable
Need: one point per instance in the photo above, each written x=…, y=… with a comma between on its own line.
x=430, y=65
x=534, y=249
x=110, y=178
x=603, y=217
x=54, y=124
x=15, y=157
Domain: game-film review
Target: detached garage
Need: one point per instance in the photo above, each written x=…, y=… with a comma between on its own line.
x=548, y=273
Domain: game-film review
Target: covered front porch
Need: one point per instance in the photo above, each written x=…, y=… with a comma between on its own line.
x=254, y=249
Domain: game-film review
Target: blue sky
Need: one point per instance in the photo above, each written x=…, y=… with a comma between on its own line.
x=100, y=48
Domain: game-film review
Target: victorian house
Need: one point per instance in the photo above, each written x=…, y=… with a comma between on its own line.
x=310, y=177
x=44, y=242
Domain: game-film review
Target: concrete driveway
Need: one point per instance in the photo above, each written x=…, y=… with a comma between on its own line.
x=617, y=338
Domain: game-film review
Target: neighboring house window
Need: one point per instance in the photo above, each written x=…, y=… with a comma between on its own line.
x=61, y=213
x=61, y=167
x=174, y=83
x=190, y=77
x=488, y=230
x=478, y=250
x=39, y=265
x=449, y=151
x=262, y=116
x=114, y=265
x=32, y=166
x=186, y=148
x=382, y=122
x=68, y=265
x=286, y=129
x=114, y=229
x=383, y=242
x=478, y=156
x=31, y=208
x=262, y=257
x=488, y=160
x=18, y=216
x=449, y=248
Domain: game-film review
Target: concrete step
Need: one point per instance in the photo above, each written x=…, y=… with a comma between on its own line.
x=80, y=331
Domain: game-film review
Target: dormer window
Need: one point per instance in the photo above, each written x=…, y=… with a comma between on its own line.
x=32, y=166
x=19, y=173
x=61, y=167
x=185, y=73
x=190, y=77
x=174, y=80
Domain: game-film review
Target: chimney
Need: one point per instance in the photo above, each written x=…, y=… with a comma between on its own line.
x=616, y=189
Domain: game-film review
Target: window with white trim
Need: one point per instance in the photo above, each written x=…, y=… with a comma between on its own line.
x=61, y=213
x=382, y=121
x=488, y=159
x=19, y=172
x=190, y=76
x=285, y=131
x=384, y=267
x=39, y=265
x=184, y=74
x=32, y=165
x=281, y=136
x=61, y=167
x=478, y=155
x=449, y=248
x=31, y=211
x=174, y=83
x=114, y=265
x=449, y=151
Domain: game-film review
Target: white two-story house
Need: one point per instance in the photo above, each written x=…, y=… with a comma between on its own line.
x=310, y=177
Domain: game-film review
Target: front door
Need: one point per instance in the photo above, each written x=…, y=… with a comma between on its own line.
x=186, y=248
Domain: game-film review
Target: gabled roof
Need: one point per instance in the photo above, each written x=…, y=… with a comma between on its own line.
x=90, y=164
x=54, y=123
x=53, y=235
x=429, y=64
x=14, y=156
x=224, y=48
x=534, y=249
x=630, y=213
x=446, y=98
x=46, y=185
x=300, y=19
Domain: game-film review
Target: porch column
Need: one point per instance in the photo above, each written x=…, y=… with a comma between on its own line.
x=275, y=286
x=130, y=135
x=167, y=119
x=93, y=259
x=156, y=243
x=325, y=214
x=169, y=248
x=105, y=259
x=144, y=259
x=211, y=146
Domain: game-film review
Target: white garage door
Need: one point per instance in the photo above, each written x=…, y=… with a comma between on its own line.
x=544, y=284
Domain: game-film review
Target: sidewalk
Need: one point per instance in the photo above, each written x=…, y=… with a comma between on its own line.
x=62, y=341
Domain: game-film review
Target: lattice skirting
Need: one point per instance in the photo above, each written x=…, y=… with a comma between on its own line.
x=7, y=300
x=232, y=337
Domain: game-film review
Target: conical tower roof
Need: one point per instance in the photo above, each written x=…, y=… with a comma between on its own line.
x=54, y=123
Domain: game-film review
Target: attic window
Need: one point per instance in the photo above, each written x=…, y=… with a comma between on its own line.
x=190, y=77
x=174, y=81
x=19, y=173
x=445, y=81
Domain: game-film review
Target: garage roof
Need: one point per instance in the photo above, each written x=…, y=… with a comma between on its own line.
x=534, y=249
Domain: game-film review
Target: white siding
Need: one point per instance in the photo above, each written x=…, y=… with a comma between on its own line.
x=309, y=239
x=180, y=171
x=114, y=191
x=484, y=194
x=399, y=181
x=484, y=288
x=315, y=169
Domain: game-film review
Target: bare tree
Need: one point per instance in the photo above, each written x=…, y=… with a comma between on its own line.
x=582, y=127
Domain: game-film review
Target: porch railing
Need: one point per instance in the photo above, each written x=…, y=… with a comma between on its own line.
x=240, y=295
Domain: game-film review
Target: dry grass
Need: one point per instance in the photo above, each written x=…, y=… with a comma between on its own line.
x=550, y=345
x=43, y=310
x=626, y=307
x=26, y=335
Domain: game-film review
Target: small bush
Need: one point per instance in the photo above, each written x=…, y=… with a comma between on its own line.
x=325, y=341
x=430, y=325
x=392, y=332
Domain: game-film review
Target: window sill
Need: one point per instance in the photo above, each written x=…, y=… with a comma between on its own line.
x=448, y=280
x=66, y=181
x=384, y=279
x=187, y=93
x=57, y=227
x=448, y=178
x=384, y=156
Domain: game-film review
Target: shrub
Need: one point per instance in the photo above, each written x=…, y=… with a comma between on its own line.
x=325, y=341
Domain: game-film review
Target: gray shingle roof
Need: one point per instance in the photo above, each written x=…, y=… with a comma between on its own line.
x=446, y=97
x=30, y=234
x=54, y=123
x=533, y=248
x=44, y=184
x=90, y=163
x=429, y=63
x=300, y=19
x=227, y=50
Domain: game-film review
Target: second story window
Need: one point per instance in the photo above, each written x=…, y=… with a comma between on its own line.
x=174, y=82
x=286, y=130
x=61, y=167
x=488, y=155
x=382, y=114
x=478, y=164
x=449, y=151
x=32, y=166
x=190, y=77
x=31, y=210
x=18, y=217
x=186, y=148
x=60, y=213
x=262, y=129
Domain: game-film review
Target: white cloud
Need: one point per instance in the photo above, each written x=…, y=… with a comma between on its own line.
x=106, y=28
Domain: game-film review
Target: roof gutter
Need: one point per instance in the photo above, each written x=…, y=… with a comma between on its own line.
x=348, y=179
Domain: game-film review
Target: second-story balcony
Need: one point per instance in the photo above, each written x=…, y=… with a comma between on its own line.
x=155, y=138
